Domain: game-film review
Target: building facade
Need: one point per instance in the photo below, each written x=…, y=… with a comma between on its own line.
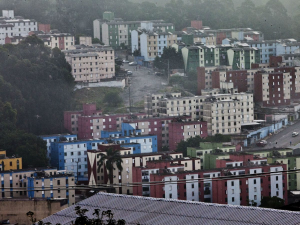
x=38, y=183
x=91, y=63
x=12, y=25
x=9, y=163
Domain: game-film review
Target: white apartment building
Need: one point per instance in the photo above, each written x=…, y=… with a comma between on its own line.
x=15, y=26
x=224, y=113
x=91, y=63
x=151, y=43
x=63, y=41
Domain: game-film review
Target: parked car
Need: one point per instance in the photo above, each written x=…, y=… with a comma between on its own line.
x=125, y=61
x=132, y=64
x=294, y=134
x=129, y=72
x=158, y=74
x=262, y=143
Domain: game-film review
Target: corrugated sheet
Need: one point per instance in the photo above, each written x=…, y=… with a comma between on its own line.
x=142, y=210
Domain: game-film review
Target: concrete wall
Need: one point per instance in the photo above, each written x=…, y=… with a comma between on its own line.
x=15, y=210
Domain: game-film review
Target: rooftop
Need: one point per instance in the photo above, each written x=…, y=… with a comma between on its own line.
x=145, y=210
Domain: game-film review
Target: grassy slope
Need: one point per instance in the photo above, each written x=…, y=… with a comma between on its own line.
x=96, y=95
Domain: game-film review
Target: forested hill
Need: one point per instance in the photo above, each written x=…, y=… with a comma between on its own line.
x=76, y=16
x=292, y=6
x=38, y=84
x=35, y=88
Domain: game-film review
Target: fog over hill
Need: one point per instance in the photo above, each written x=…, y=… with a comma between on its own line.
x=292, y=6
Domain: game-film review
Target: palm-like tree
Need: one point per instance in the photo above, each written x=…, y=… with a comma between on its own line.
x=111, y=158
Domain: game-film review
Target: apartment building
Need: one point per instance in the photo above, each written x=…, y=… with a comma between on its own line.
x=270, y=48
x=91, y=63
x=116, y=32
x=132, y=163
x=271, y=86
x=9, y=163
x=220, y=185
x=292, y=162
x=63, y=41
x=56, y=138
x=181, y=131
x=227, y=116
x=72, y=155
x=71, y=117
x=234, y=57
x=12, y=25
x=151, y=43
x=224, y=113
x=38, y=183
x=272, y=89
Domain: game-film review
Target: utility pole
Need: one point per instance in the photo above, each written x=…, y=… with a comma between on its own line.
x=168, y=71
x=129, y=96
x=77, y=171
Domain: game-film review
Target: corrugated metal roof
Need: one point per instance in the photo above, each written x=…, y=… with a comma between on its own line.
x=142, y=210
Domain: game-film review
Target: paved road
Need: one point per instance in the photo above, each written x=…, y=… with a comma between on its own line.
x=141, y=84
x=284, y=137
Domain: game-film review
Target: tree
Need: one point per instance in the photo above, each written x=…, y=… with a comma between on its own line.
x=105, y=218
x=110, y=159
x=96, y=41
x=137, y=52
x=272, y=202
x=38, y=83
x=113, y=98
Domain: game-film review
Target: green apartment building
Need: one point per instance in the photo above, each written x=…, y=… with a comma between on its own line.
x=221, y=55
x=293, y=163
x=117, y=33
x=208, y=152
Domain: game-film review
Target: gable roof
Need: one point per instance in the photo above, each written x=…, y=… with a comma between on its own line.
x=144, y=210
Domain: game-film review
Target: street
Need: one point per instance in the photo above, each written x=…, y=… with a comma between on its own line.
x=142, y=83
x=283, y=138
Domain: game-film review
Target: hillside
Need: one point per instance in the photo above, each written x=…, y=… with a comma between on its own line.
x=288, y=4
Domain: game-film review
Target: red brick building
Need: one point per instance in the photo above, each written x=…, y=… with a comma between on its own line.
x=181, y=131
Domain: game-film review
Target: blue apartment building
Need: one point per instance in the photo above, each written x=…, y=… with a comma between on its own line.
x=72, y=155
x=56, y=138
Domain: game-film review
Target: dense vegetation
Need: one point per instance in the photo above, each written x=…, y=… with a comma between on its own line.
x=76, y=16
x=35, y=88
x=38, y=84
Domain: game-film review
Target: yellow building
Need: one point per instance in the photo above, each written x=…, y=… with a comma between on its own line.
x=9, y=163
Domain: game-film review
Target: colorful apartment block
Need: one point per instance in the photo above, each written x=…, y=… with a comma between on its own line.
x=131, y=163
x=56, y=138
x=9, y=163
x=224, y=112
x=271, y=86
x=239, y=185
x=117, y=33
x=72, y=155
x=44, y=183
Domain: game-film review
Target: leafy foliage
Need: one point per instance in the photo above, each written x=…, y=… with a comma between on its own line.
x=38, y=84
x=272, y=202
x=105, y=218
x=170, y=56
x=112, y=98
x=109, y=160
x=16, y=142
x=269, y=16
x=195, y=141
